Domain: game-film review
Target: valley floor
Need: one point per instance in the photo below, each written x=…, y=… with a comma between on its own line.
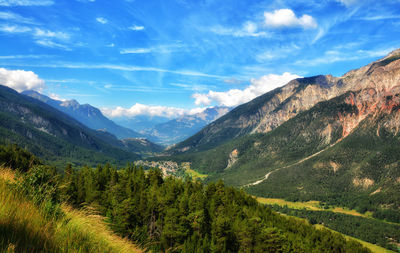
x=317, y=206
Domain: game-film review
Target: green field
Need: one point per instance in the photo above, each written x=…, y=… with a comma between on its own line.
x=192, y=173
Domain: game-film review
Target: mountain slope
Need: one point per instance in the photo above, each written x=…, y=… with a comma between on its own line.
x=53, y=135
x=183, y=127
x=344, y=150
x=86, y=114
x=270, y=110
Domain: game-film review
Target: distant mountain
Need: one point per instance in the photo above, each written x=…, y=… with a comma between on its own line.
x=181, y=128
x=142, y=146
x=86, y=114
x=140, y=123
x=54, y=135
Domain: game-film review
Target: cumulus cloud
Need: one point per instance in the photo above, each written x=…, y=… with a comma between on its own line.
x=21, y=80
x=141, y=109
x=287, y=18
x=26, y=2
x=236, y=97
x=102, y=20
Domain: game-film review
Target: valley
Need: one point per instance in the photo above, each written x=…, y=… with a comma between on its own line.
x=184, y=126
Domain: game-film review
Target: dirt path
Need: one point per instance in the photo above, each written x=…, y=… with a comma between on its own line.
x=288, y=166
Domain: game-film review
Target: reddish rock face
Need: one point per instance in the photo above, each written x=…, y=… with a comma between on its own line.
x=378, y=84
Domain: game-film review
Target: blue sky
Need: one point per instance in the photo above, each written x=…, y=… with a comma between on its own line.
x=161, y=57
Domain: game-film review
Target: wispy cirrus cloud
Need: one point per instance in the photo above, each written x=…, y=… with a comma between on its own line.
x=52, y=44
x=6, y=28
x=102, y=20
x=332, y=56
x=51, y=34
x=26, y=2
x=348, y=3
x=136, y=28
x=162, y=49
x=43, y=37
x=287, y=18
x=29, y=56
x=70, y=65
x=136, y=50
x=249, y=29
x=14, y=17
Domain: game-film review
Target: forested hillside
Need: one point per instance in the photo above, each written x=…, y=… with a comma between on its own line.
x=53, y=135
x=168, y=214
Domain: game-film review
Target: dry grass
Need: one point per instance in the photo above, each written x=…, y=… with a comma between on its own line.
x=7, y=174
x=24, y=228
x=83, y=225
x=311, y=205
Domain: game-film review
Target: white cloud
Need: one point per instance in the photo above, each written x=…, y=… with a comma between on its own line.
x=132, y=68
x=14, y=29
x=141, y=109
x=332, y=56
x=7, y=15
x=249, y=29
x=28, y=56
x=287, y=18
x=52, y=44
x=50, y=34
x=26, y=2
x=136, y=50
x=236, y=97
x=348, y=3
x=162, y=49
x=136, y=28
x=102, y=20
x=41, y=37
x=56, y=97
x=21, y=80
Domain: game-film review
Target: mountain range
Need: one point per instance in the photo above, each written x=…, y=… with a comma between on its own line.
x=59, y=138
x=86, y=114
x=176, y=130
x=156, y=129
x=326, y=138
x=270, y=110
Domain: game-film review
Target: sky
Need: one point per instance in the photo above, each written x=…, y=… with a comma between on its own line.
x=171, y=57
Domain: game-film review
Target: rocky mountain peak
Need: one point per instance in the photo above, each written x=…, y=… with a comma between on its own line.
x=70, y=103
x=267, y=112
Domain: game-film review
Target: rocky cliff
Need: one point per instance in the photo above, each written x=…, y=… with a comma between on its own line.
x=270, y=110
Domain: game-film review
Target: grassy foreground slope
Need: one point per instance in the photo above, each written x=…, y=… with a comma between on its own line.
x=25, y=227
